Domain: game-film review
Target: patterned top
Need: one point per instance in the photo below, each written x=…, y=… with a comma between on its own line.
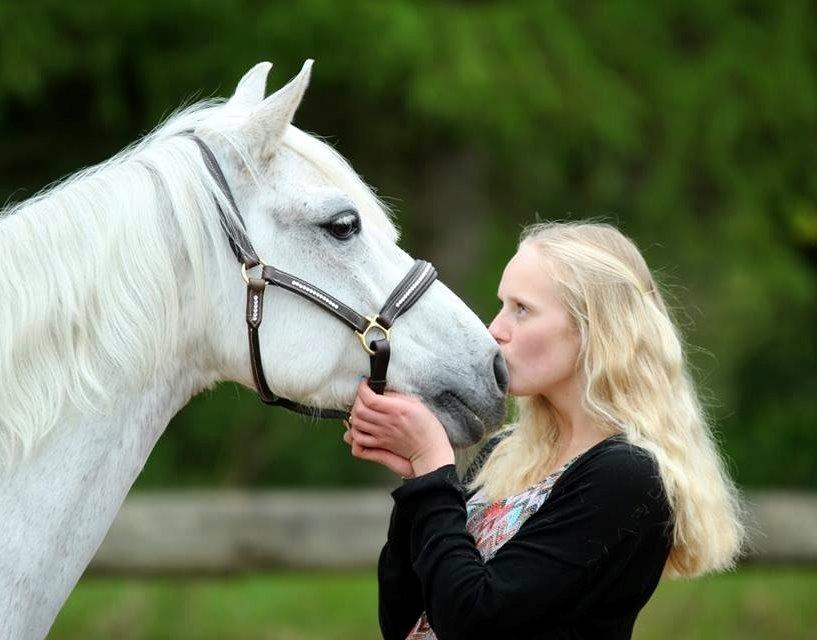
x=492, y=524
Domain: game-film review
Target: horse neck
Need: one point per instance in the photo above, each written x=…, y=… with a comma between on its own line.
x=103, y=279
x=57, y=504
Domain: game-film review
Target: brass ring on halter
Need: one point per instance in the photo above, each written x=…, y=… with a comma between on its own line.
x=244, y=270
x=373, y=324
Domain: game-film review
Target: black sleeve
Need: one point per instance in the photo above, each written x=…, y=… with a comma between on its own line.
x=400, y=599
x=540, y=576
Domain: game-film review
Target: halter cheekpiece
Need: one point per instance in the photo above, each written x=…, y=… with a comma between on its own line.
x=416, y=282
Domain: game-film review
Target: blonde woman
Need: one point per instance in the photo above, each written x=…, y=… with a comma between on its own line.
x=609, y=479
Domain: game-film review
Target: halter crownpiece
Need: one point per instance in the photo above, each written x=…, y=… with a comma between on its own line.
x=416, y=282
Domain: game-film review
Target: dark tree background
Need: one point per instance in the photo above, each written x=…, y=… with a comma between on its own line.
x=689, y=124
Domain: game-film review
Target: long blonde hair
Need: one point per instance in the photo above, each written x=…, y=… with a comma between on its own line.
x=636, y=383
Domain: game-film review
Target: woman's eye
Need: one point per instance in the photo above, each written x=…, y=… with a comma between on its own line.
x=521, y=309
x=344, y=225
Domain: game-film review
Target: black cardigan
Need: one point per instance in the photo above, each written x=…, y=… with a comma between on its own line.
x=582, y=566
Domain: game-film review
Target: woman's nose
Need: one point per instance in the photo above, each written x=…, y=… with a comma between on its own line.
x=498, y=331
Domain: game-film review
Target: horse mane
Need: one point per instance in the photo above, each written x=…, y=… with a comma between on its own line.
x=77, y=333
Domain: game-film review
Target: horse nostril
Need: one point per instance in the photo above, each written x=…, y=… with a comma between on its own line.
x=501, y=372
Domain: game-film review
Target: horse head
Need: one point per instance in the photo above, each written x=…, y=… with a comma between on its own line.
x=307, y=212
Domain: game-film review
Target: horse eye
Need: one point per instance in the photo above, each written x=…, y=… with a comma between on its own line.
x=344, y=225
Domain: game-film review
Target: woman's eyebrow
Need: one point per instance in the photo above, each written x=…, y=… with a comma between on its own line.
x=523, y=301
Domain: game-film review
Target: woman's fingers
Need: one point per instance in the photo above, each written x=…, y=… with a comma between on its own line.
x=359, y=439
x=376, y=402
x=365, y=439
x=359, y=451
x=360, y=434
x=375, y=419
x=399, y=465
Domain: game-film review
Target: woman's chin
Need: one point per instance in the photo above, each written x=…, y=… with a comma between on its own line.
x=518, y=389
x=523, y=392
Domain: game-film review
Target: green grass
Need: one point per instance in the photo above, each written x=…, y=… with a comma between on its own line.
x=751, y=604
x=754, y=603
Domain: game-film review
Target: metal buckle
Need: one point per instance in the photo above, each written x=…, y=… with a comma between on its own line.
x=373, y=324
x=244, y=271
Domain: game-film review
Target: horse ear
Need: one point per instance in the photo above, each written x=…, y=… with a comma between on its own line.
x=250, y=89
x=269, y=120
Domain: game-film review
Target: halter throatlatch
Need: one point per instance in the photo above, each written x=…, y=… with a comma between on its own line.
x=416, y=282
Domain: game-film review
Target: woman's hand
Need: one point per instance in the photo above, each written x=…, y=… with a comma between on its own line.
x=397, y=431
x=400, y=466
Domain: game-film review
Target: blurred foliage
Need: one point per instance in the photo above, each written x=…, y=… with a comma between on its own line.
x=689, y=124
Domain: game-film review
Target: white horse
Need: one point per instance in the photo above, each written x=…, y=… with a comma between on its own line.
x=120, y=299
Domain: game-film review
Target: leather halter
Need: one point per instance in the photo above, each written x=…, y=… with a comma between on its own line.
x=416, y=282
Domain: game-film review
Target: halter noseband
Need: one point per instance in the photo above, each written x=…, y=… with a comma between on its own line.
x=416, y=282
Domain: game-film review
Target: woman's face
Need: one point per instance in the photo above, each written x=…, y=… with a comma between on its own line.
x=533, y=328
